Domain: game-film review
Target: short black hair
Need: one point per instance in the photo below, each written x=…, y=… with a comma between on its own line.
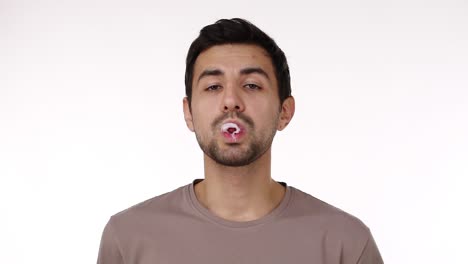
x=238, y=31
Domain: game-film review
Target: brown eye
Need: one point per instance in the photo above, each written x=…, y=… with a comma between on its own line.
x=213, y=87
x=252, y=86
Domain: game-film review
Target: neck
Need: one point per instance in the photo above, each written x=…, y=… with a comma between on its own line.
x=239, y=193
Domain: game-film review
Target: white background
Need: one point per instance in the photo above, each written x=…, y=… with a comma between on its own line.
x=91, y=117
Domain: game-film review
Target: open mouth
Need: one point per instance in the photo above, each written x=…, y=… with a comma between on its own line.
x=231, y=128
x=231, y=131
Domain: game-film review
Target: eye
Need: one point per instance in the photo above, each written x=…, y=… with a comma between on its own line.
x=252, y=86
x=213, y=87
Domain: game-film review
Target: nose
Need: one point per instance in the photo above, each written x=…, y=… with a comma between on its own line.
x=232, y=101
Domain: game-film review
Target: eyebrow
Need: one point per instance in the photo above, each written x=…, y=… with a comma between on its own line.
x=257, y=70
x=245, y=71
x=210, y=72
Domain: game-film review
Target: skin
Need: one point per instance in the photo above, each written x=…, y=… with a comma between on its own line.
x=247, y=192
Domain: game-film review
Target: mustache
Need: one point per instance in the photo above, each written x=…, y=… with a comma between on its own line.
x=233, y=115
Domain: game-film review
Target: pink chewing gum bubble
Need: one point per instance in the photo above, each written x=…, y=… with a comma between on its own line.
x=230, y=128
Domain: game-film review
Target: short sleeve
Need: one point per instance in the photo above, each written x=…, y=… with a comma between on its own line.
x=109, y=250
x=370, y=254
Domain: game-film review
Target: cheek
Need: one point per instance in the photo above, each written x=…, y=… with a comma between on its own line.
x=205, y=104
x=265, y=117
x=201, y=118
x=265, y=106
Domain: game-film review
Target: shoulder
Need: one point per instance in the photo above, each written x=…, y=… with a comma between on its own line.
x=152, y=209
x=333, y=227
x=329, y=219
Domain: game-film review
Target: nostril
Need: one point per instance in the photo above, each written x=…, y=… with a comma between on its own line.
x=236, y=108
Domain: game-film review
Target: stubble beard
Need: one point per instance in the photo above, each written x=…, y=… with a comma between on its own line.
x=237, y=154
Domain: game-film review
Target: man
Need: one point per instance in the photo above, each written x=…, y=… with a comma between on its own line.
x=238, y=96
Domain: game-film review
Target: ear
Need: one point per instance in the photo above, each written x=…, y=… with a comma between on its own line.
x=287, y=113
x=188, y=114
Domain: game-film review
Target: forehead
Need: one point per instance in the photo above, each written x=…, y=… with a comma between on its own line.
x=233, y=56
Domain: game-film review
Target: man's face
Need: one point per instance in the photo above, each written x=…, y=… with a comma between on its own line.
x=235, y=107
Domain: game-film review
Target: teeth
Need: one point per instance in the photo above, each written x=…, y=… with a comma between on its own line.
x=227, y=126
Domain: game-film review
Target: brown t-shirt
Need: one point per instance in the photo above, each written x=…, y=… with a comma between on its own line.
x=176, y=228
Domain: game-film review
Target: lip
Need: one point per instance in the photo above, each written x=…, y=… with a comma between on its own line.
x=239, y=124
x=233, y=138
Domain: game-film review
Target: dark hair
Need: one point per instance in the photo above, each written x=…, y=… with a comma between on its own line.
x=238, y=31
